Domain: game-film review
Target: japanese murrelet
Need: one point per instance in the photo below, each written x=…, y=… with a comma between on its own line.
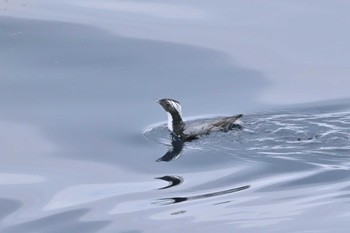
x=186, y=131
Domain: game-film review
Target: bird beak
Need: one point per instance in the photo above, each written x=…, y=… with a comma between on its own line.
x=157, y=101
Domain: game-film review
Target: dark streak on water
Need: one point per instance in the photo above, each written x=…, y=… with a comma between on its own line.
x=173, y=181
x=173, y=200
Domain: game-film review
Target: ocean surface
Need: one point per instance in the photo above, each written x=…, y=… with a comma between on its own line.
x=85, y=148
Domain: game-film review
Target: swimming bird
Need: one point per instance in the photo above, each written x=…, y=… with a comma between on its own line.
x=189, y=131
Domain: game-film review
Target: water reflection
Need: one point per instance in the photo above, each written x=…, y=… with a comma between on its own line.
x=173, y=181
x=8, y=206
x=68, y=221
x=177, y=145
x=174, y=152
x=174, y=200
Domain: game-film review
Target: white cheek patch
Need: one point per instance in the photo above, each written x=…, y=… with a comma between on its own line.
x=177, y=106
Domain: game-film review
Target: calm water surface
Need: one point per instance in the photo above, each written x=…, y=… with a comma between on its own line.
x=84, y=147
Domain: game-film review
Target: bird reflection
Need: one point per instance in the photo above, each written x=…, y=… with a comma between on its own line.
x=175, y=151
x=173, y=181
x=177, y=145
x=174, y=200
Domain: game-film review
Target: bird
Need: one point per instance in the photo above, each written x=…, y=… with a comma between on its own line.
x=186, y=131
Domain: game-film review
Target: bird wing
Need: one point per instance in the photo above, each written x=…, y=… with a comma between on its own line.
x=210, y=125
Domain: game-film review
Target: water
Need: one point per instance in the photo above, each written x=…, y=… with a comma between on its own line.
x=84, y=147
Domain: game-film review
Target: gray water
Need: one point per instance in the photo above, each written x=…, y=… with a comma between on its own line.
x=84, y=147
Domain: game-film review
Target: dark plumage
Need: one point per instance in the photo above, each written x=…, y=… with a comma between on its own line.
x=187, y=132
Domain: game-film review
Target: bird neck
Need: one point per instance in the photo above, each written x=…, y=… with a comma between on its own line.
x=175, y=123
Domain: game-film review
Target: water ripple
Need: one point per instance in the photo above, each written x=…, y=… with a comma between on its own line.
x=290, y=134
